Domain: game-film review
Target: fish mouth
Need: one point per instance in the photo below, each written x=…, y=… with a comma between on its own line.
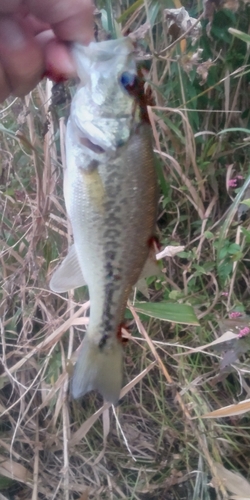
x=91, y=145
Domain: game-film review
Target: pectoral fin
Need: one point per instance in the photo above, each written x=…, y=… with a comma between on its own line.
x=151, y=268
x=68, y=275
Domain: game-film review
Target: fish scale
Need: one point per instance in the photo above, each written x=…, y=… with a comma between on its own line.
x=111, y=200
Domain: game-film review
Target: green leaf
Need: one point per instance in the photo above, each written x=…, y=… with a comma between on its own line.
x=153, y=13
x=185, y=255
x=175, y=129
x=129, y=11
x=235, y=129
x=105, y=21
x=5, y=483
x=239, y=34
x=233, y=248
x=164, y=184
x=175, y=295
x=246, y=202
x=168, y=311
x=8, y=132
x=110, y=18
x=246, y=234
x=208, y=235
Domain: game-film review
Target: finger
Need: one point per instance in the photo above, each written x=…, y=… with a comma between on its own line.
x=76, y=29
x=35, y=25
x=71, y=21
x=9, y=6
x=58, y=60
x=21, y=57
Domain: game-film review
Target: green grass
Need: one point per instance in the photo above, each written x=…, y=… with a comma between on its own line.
x=156, y=444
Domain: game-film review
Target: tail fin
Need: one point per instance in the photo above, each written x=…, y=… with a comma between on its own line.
x=98, y=369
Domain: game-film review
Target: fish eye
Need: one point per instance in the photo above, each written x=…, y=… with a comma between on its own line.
x=128, y=80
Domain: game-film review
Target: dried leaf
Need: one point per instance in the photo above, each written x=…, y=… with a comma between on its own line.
x=179, y=21
x=232, y=5
x=100, y=33
x=210, y=6
x=224, y=338
x=139, y=37
x=85, y=495
x=202, y=70
x=169, y=251
x=192, y=60
x=233, y=481
x=239, y=498
x=14, y=470
x=140, y=33
x=228, y=358
x=229, y=411
x=238, y=346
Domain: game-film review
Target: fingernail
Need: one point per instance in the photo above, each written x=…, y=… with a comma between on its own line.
x=11, y=34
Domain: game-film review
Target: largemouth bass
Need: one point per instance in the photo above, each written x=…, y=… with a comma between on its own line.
x=110, y=191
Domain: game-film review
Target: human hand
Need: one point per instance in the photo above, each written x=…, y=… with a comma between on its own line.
x=32, y=40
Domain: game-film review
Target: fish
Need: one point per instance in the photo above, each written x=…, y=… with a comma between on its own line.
x=110, y=192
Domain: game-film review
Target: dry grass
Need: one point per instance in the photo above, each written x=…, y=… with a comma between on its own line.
x=156, y=444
